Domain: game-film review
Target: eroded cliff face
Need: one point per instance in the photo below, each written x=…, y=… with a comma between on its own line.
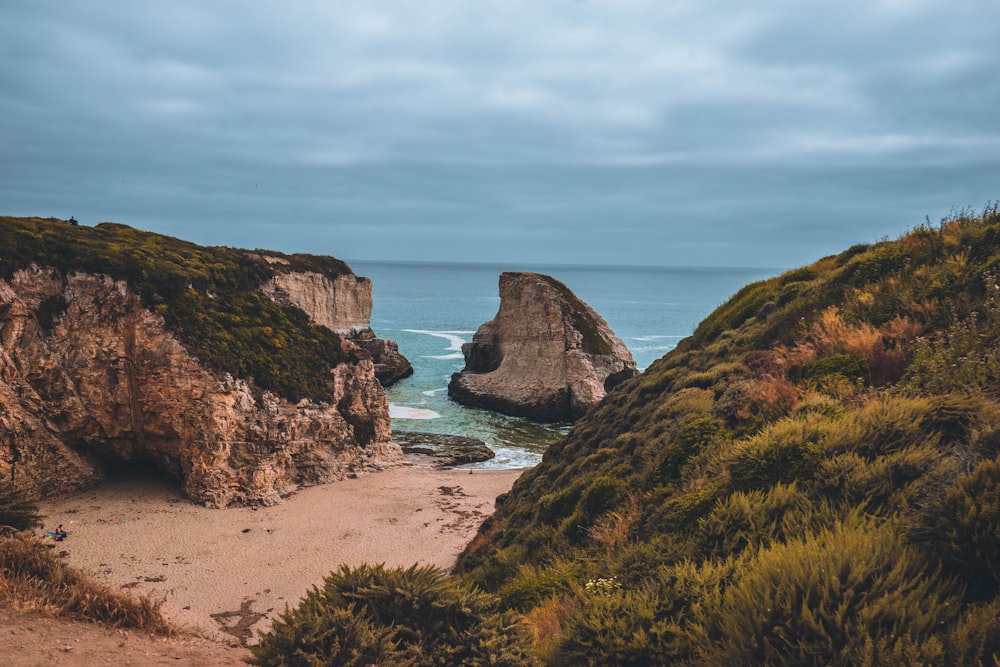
x=342, y=304
x=89, y=376
x=546, y=355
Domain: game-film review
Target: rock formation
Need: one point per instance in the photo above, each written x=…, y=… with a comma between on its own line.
x=546, y=355
x=342, y=304
x=445, y=450
x=103, y=381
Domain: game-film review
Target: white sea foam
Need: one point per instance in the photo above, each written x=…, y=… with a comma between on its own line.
x=432, y=392
x=453, y=355
x=454, y=339
x=507, y=457
x=654, y=338
x=406, y=412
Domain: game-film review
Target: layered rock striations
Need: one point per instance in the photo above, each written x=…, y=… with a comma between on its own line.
x=342, y=304
x=546, y=355
x=92, y=376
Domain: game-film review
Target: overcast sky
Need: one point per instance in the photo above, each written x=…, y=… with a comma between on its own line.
x=655, y=132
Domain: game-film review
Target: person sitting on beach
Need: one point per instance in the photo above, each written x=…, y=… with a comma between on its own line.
x=60, y=533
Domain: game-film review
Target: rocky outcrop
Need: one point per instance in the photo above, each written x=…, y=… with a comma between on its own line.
x=342, y=304
x=444, y=450
x=89, y=377
x=546, y=355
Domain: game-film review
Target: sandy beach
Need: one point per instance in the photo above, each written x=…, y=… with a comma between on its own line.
x=225, y=573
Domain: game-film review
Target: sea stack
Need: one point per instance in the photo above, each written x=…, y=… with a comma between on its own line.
x=546, y=355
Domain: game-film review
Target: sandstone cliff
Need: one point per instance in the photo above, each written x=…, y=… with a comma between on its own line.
x=546, y=355
x=342, y=304
x=119, y=346
x=108, y=383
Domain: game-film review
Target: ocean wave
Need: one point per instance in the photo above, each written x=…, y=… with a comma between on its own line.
x=406, y=412
x=653, y=338
x=454, y=338
x=432, y=392
x=509, y=458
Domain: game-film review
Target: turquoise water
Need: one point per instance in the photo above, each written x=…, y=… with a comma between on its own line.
x=431, y=309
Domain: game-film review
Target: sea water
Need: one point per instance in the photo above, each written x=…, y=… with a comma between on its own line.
x=431, y=309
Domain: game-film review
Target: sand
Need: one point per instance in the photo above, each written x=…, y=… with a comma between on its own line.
x=226, y=573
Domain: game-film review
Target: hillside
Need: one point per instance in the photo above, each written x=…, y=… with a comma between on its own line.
x=810, y=478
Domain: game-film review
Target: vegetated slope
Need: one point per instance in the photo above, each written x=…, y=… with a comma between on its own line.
x=811, y=478
x=207, y=295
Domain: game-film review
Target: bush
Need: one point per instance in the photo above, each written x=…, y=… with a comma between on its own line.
x=784, y=452
x=415, y=616
x=850, y=595
x=617, y=628
x=963, y=528
x=755, y=518
x=535, y=584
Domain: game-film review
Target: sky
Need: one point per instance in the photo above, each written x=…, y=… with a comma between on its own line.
x=615, y=132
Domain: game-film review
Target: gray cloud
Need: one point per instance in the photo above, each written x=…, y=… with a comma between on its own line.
x=586, y=131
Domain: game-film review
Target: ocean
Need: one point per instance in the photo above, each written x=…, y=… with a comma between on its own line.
x=431, y=309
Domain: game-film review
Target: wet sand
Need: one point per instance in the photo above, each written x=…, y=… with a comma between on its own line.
x=226, y=573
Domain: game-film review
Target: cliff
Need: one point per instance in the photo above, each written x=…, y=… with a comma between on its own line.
x=342, y=304
x=546, y=355
x=118, y=346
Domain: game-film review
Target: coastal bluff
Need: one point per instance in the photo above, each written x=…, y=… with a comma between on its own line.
x=343, y=304
x=122, y=348
x=546, y=355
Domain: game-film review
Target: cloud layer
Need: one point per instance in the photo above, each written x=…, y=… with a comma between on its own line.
x=591, y=131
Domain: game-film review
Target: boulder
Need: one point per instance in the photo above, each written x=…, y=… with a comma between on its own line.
x=545, y=356
x=445, y=450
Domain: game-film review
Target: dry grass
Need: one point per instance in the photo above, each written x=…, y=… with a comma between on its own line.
x=617, y=529
x=548, y=620
x=32, y=578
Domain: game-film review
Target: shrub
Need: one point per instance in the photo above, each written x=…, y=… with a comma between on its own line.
x=618, y=628
x=849, y=595
x=755, y=518
x=784, y=452
x=975, y=639
x=847, y=366
x=415, y=616
x=963, y=528
x=535, y=584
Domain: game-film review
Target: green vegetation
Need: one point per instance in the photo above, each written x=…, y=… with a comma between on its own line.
x=813, y=477
x=416, y=616
x=207, y=296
